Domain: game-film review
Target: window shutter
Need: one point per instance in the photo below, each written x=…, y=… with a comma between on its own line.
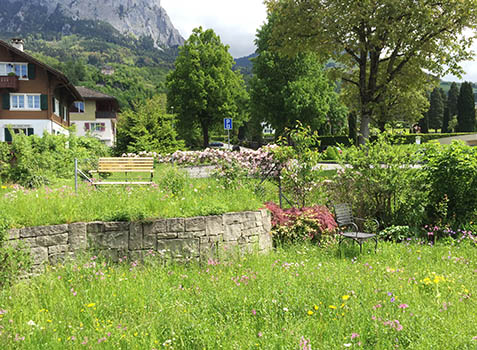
x=30, y=131
x=61, y=110
x=103, y=126
x=8, y=135
x=6, y=101
x=44, y=102
x=86, y=126
x=31, y=71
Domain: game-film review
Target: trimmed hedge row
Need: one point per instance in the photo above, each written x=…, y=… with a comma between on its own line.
x=405, y=139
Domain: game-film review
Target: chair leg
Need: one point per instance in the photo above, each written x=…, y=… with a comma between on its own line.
x=376, y=245
x=360, y=247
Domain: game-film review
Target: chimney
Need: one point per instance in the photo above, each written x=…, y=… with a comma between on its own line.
x=17, y=43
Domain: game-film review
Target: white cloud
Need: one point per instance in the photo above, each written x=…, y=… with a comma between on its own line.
x=236, y=22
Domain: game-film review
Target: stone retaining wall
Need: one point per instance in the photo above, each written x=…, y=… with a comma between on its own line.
x=180, y=238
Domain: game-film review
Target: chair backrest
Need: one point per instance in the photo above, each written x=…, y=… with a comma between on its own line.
x=344, y=214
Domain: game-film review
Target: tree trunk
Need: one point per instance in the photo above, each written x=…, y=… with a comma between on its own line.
x=364, y=126
x=205, y=133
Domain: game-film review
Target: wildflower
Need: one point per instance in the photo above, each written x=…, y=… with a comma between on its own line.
x=254, y=312
x=392, y=300
x=345, y=297
x=354, y=335
x=91, y=305
x=31, y=323
x=260, y=334
x=315, y=307
x=403, y=306
x=332, y=307
x=310, y=312
x=347, y=345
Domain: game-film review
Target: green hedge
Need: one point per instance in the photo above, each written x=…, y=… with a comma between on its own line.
x=405, y=139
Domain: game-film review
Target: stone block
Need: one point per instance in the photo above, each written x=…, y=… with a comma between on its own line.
x=136, y=255
x=179, y=248
x=116, y=226
x=48, y=241
x=13, y=233
x=156, y=229
x=115, y=240
x=39, y=255
x=77, y=236
x=208, y=250
x=265, y=242
x=232, y=232
x=58, y=249
x=27, y=242
x=43, y=230
x=149, y=241
x=95, y=227
x=249, y=223
x=252, y=239
x=195, y=224
x=135, y=236
x=233, y=218
x=214, y=225
x=112, y=254
x=199, y=233
x=175, y=225
x=267, y=222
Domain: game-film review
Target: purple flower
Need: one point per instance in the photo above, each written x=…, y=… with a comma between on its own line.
x=392, y=300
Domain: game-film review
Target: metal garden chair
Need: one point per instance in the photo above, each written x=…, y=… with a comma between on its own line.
x=349, y=229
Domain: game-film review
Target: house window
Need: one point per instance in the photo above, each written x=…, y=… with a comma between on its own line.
x=25, y=102
x=99, y=127
x=25, y=130
x=20, y=69
x=78, y=107
x=57, y=107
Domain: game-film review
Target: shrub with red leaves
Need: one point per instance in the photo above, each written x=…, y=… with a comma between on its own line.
x=308, y=223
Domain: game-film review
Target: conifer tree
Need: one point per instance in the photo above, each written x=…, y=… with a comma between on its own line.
x=436, y=110
x=466, y=108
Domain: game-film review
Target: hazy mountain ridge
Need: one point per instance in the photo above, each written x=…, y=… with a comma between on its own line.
x=137, y=18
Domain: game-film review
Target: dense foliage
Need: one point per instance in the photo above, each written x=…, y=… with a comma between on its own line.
x=33, y=161
x=148, y=128
x=286, y=89
x=466, y=109
x=376, y=41
x=203, y=89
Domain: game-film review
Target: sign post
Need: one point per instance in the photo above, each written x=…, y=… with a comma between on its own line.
x=228, y=126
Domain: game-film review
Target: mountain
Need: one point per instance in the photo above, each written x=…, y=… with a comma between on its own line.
x=135, y=18
x=245, y=65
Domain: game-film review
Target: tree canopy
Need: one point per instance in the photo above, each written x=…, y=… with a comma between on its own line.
x=377, y=39
x=148, y=128
x=285, y=89
x=203, y=89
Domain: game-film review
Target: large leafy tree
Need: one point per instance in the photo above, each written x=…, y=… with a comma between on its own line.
x=287, y=89
x=466, y=108
x=148, y=127
x=203, y=89
x=377, y=38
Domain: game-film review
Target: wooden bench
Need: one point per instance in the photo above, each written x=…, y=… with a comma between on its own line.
x=126, y=166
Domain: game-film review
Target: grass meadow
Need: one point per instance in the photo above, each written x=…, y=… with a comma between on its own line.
x=406, y=296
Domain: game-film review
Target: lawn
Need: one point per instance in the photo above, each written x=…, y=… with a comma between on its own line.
x=407, y=296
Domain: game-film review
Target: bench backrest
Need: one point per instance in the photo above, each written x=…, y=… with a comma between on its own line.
x=121, y=165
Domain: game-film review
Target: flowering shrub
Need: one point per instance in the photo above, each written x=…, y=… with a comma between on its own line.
x=294, y=224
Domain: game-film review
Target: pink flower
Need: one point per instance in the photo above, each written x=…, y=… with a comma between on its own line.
x=403, y=306
x=254, y=312
x=260, y=334
x=354, y=335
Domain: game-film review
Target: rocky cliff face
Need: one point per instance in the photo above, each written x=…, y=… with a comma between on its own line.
x=131, y=17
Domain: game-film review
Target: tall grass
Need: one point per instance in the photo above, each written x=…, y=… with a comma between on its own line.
x=403, y=297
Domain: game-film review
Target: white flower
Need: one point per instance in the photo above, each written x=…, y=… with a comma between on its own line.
x=31, y=323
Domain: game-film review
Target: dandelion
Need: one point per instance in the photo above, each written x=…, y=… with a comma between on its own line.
x=315, y=307
x=91, y=305
x=310, y=312
x=332, y=307
x=345, y=297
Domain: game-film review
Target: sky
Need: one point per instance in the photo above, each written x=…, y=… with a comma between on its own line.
x=236, y=22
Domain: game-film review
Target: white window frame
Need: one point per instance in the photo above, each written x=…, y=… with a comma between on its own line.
x=4, y=69
x=56, y=110
x=96, y=126
x=25, y=102
x=77, y=105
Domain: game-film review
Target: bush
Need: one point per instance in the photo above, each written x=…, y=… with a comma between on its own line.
x=381, y=181
x=32, y=161
x=451, y=175
x=396, y=233
x=300, y=224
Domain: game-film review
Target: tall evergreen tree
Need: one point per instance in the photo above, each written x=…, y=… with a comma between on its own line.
x=436, y=110
x=450, y=111
x=466, y=108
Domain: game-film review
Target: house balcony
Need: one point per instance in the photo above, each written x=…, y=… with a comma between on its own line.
x=105, y=115
x=9, y=82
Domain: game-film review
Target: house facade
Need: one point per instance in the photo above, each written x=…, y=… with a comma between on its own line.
x=35, y=98
x=95, y=114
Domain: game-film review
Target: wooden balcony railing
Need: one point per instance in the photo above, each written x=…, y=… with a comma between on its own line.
x=9, y=82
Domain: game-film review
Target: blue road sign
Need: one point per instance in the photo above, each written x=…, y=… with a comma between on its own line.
x=227, y=123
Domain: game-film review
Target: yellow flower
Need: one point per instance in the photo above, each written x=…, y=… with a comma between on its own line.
x=332, y=307
x=90, y=305
x=316, y=307
x=345, y=297
x=310, y=312
x=4, y=187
